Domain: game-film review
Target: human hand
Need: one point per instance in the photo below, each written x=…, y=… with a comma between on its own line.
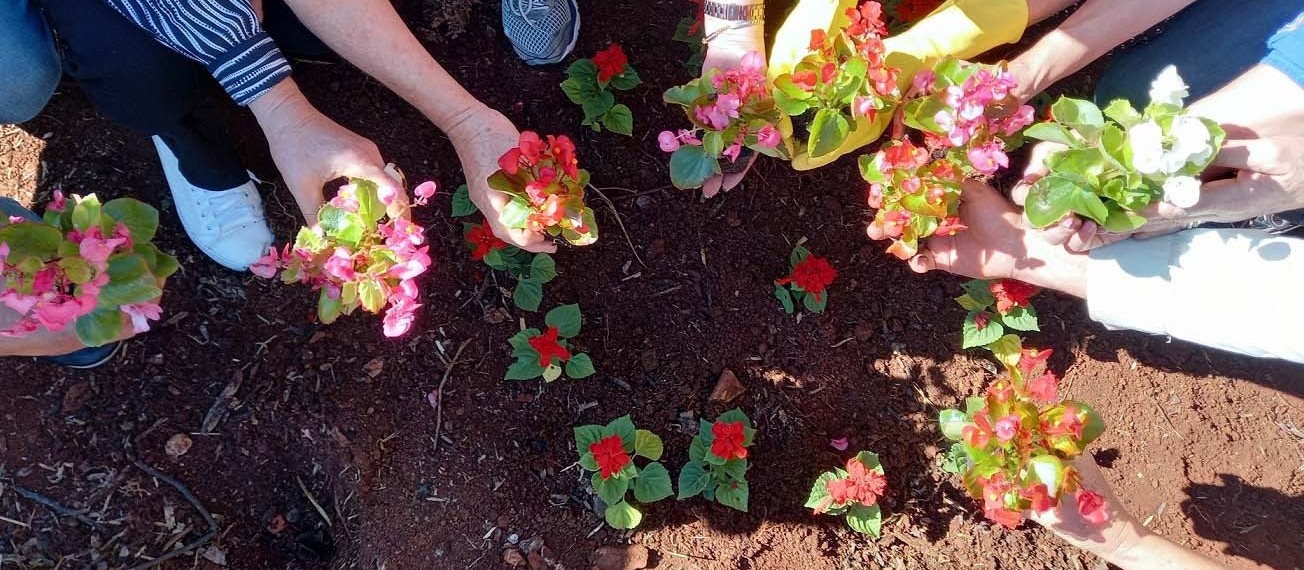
x=311, y=150
x=725, y=51
x=481, y=137
x=1107, y=540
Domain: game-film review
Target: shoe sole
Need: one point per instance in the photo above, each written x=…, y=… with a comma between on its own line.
x=97, y=363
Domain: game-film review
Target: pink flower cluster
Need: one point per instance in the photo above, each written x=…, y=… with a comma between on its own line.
x=390, y=256
x=735, y=89
x=966, y=121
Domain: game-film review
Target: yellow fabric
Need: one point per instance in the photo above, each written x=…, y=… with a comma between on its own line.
x=960, y=28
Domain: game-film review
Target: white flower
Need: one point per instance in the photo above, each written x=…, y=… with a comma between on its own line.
x=1169, y=88
x=1147, y=143
x=1191, y=139
x=1182, y=191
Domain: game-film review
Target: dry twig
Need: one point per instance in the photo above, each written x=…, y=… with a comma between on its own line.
x=190, y=498
x=616, y=213
x=439, y=392
x=53, y=505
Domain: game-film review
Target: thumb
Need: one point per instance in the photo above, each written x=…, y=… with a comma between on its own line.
x=923, y=262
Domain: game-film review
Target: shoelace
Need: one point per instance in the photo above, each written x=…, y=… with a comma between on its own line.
x=233, y=211
x=523, y=8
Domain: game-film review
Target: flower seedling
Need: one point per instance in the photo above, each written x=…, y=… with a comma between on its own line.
x=852, y=492
x=85, y=264
x=690, y=30
x=807, y=282
x=842, y=79
x=359, y=255
x=717, y=461
x=1118, y=161
x=963, y=108
x=530, y=270
x=996, y=307
x=1017, y=443
x=730, y=110
x=546, y=186
x=547, y=353
x=609, y=452
x=592, y=83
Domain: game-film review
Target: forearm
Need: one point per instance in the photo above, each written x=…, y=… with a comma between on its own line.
x=732, y=40
x=1039, y=10
x=1153, y=552
x=1094, y=29
x=1262, y=102
x=385, y=49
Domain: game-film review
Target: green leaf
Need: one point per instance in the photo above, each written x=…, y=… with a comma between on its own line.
x=586, y=436
x=1121, y=111
x=693, y=479
x=346, y=227
x=820, y=489
x=690, y=167
x=732, y=494
x=584, y=69
x=967, y=301
x=623, y=516
x=527, y=295
x=579, y=367
x=870, y=460
x=86, y=213
x=579, y=90
x=1054, y=196
x=713, y=142
x=619, y=120
x=684, y=95
x=1122, y=221
x=551, y=372
x=648, y=444
x=652, y=484
x=31, y=240
x=1047, y=469
x=973, y=337
x=952, y=423
x=827, y=132
x=1051, y=132
x=1084, y=116
x=956, y=460
x=612, y=489
x=980, y=291
x=785, y=298
x=814, y=305
x=164, y=264
x=140, y=218
x=130, y=282
x=1007, y=349
x=1021, y=319
x=865, y=520
x=623, y=426
x=515, y=213
x=598, y=106
x=697, y=450
x=542, y=268
x=521, y=342
x=524, y=369
x=462, y=204
x=735, y=469
x=370, y=208
x=627, y=79
x=100, y=327
x=1088, y=162
x=372, y=295
x=566, y=318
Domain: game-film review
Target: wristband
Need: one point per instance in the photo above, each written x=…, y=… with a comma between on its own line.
x=735, y=12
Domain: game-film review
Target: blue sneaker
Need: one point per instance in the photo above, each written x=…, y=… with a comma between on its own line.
x=542, y=32
x=86, y=358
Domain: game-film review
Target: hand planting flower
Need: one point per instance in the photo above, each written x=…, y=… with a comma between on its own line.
x=358, y=255
x=731, y=110
x=717, y=461
x=1115, y=163
x=530, y=270
x=1017, y=444
x=994, y=308
x=609, y=451
x=807, y=282
x=89, y=266
x=853, y=492
x=844, y=78
x=547, y=353
x=591, y=83
x=546, y=186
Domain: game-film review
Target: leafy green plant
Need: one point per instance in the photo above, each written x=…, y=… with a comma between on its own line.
x=592, y=83
x=546, y=185
x=852, y=492
x=547, y=353
x=806, y=283
x=609, y=452
x=530, y=270
x=1118, y=161
x=996, y=307
x=717, y=461
x=691, y=30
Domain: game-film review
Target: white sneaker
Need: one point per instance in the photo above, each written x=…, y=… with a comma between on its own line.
x=228, y=226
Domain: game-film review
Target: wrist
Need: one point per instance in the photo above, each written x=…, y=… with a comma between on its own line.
x=281, y=107
x=736, y=25
x=1052, y=267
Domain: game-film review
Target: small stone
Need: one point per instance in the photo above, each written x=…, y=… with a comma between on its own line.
x=649, y=360
x=630, y=557
x=374, y=367
x=177, y=445
x=513, y=558
x=496, y=315
x=727, y=388
x=644, y=202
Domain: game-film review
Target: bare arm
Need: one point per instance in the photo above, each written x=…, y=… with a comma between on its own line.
x=1094, y=29
x=1263, y=102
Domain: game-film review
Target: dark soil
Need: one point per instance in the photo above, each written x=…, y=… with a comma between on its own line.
x=1202, y=444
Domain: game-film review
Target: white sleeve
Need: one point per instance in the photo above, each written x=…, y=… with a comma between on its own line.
x=1235, y=290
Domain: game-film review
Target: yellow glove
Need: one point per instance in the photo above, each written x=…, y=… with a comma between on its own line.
x=960, y=28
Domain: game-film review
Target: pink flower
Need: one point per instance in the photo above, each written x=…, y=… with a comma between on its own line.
x=689, y=137
x=1020, y=119
x=55, y=315
x=413, y=266
x=20, y=303
x=346, y=198
x=668, y=141
x=1007, y=427
x=875, y=195
x=424, y=192
x=43, y=281
x=141, y=314
x=712, y=116
x=266, y=265
x=4, y=252
x=923, y=81
x=752, y=63
x=732, y=152
x=398, y=319
x=863, y=107
x=1092, y=506
x=989, y=158
x=340, y=265
x=58, y=203
x=839, y=444
x=768, y=136
x=96, y=250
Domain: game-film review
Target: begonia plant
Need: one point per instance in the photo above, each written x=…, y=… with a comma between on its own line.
x=609, y=452
x=546, y=186
x=359, y=254
x=547, y=353
x=87, y=265
x=530, y=270
x=806, y=283
x=717, y=461
x=853, y=493
x=592, y=83
x=995, y=308
x=690, y=30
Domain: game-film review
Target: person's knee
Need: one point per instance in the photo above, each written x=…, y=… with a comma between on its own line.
x=21, y=101
x=29, y=73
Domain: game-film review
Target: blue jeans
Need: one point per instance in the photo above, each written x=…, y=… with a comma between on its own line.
x=1211, y=42
x=29, y=66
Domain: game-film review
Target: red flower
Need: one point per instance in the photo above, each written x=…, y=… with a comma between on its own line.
x=1039, y=496
x=1007, y=427
x=865, y=485
x=610, y=454
x=905, y=156
x=1044, y=388
x=1068, y=424
x=1030, y=359
x=980, y=434
x=866, y=19
x=813, y=275
x=1011, y=293
x=562, y=150
x=528, y=151
x=483, y=241
x=1092, y=506
x=949, y=227
x=611, y=62
x=729, y=438
x=805, y=79
x=817, y=37
x=828, y=72
x=548, y=347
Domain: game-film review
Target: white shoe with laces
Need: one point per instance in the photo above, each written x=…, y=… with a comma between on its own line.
x=228, y=226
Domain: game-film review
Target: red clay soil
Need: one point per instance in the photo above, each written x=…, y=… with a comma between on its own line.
x=327, y=456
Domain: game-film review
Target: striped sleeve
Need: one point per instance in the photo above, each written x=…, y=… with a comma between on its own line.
x=223, y=35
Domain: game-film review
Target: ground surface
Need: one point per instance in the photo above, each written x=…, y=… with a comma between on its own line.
x=1202, y=444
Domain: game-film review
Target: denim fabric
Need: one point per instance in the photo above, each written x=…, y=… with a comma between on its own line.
x=1287, y=50
x=29, y=66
